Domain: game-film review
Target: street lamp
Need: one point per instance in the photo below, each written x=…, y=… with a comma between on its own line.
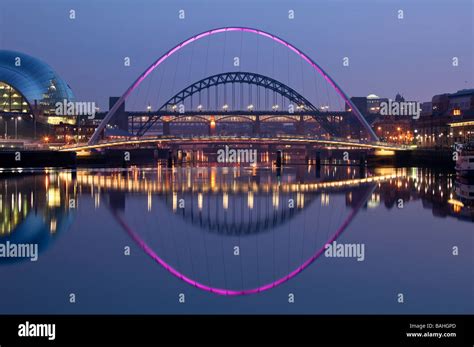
x=16, y=126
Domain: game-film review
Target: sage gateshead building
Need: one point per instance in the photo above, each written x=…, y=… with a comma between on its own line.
x=29, y=90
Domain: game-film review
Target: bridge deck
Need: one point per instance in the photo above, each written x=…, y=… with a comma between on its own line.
x=293, y=140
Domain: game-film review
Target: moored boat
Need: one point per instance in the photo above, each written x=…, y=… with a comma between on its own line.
x=465, y=160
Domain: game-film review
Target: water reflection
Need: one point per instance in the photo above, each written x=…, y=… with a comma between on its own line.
x=441, y=192
x=226, y=230
x=464, y=192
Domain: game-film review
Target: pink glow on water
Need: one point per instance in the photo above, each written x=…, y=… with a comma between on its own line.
x=228, y=292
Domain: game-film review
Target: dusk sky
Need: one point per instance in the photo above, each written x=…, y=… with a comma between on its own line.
x=387, y=55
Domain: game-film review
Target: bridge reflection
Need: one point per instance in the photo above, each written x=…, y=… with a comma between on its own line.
x=243, y=204
x=323, y=211
x=230, y=200
x=435, y=189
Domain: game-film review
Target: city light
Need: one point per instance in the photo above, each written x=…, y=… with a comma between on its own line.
x=455, y=202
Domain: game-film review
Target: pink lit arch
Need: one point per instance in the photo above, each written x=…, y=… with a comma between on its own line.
x=95, y=137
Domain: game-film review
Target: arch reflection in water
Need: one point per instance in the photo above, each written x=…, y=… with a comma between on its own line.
x=226, y=210
x=34, y=210
x=206, y=226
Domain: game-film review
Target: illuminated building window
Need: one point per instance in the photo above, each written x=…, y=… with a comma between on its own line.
x=11, y=100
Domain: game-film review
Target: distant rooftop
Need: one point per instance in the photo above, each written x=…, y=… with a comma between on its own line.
x=463, y=92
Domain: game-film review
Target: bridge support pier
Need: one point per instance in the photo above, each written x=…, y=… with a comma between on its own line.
x=317, y=156
x=362, y=165
x=279, y=159
x=169, y=163
x=166, y=128
x=256, y=126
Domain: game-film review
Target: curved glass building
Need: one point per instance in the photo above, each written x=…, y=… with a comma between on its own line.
x=27, y=84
